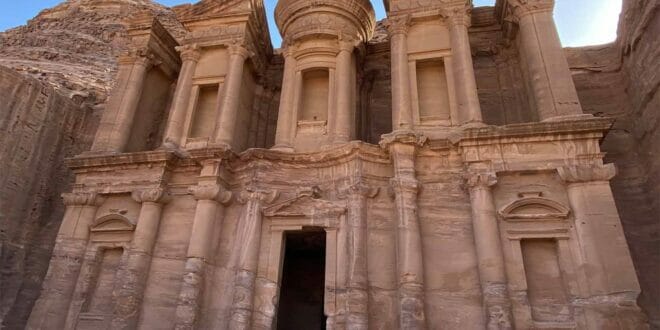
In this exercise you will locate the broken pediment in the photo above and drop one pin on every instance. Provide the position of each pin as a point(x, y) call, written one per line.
point(534, 208)
point(112, 223)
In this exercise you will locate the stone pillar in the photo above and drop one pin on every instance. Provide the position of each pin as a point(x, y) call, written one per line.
point(402, 147)
point(490, 258)
point(132, 277)
point(285, 118)
point(608, 264)
point(248, 256)
point(175, 125)
point(467, 98)
point(551, 82)
point(401, 101)
point(210, 200)
point(50, 310)
point(117, 121)
point(357, 279)
point(231, 96)
point(345, 102)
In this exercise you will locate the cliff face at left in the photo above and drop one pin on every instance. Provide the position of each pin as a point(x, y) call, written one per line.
point(38, 129)
point(55, 74)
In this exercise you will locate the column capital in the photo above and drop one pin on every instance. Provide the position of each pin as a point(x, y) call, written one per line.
point(211, 192)
point(521, 8)
point(457, 15)
point(258, 194)
point(583, 174)
point(480, 180)
point(358, 188)
point(239, 49)
point(83, 199)
point(398, 24)
point(403, 137)
point(151, 195)
point(140, 56)
point(190, 52)
point(404, 185)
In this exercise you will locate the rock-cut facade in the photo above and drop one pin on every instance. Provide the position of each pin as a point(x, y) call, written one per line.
point(342, 183)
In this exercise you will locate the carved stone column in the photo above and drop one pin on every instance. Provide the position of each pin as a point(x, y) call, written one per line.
point(402, 147)
point(551, 82)
point(132, 277)
point(174, 133)
point(285, 118)
point(50, 310)
point(467, 98)
point(608, 264)
point(248, 257)
point(210, 200)
point(490, 258)
point(344, 114)
point(231, 96)
point(357, 278)
point(401, 101)
point(117, 121)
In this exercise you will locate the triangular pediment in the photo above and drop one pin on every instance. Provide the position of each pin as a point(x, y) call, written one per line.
point(305, 206)
point(213, 8)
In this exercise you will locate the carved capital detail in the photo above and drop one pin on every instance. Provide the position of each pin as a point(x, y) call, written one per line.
point(239, 49)
point(581, 174)
point(211, 192)
point(457, 15)
point(140, 56)
point(399, 185)
point(480, 180)
point(398, 24)
point(403, 137)
point(522, 8)
point(83, 199)
point(359, 188)
point(258, 194)
point(190, 52)
point(152, 195)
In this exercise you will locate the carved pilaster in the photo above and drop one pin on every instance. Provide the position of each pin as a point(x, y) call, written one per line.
point(51, 309)
point(490, 257)
point(210, 198)
point(250, 236)
point(132, 277)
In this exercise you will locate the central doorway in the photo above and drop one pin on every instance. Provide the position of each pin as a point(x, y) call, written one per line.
point(303, 281)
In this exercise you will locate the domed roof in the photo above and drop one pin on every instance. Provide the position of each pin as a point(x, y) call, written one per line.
point(299, 18)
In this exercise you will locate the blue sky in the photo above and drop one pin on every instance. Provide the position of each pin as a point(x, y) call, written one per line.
point(580, 23)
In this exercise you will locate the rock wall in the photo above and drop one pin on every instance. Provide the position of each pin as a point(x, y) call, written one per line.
point(38, 129)
point(621, 80)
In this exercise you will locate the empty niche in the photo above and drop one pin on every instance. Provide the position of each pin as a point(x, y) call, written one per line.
point(316, 85)
point(151, 116)
point(203, 122)
point(545, 286)
point(101, 299)
point(432, 90)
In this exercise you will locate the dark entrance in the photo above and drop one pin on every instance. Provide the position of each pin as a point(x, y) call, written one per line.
point(303, 281)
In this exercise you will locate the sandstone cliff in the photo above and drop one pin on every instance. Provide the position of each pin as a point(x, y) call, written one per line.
point(64, 64)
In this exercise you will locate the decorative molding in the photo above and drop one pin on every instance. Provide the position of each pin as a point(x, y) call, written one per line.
point(457, 15)
point(398, 24)
point(211, 192)
point(541, 209)
point(582, 174)
point(112, 223)
point(153, 195)
point(83, 199)
point(257, 194)
point(190, 52)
